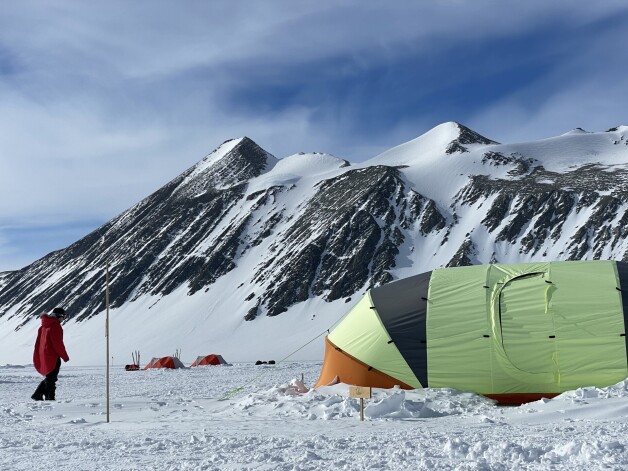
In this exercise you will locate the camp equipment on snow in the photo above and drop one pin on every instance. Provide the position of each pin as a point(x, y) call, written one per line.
point(135, 366)
point(170, 362)
point(211, 359)
point(514, 333)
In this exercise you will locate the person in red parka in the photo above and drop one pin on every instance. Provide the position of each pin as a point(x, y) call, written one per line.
point(49, 350)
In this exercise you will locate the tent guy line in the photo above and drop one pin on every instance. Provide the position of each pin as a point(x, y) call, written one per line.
point(234, 391)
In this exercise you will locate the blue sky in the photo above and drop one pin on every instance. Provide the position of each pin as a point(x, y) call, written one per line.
point(102, 103)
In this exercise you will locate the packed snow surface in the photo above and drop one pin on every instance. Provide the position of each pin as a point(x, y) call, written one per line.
point(263, 417)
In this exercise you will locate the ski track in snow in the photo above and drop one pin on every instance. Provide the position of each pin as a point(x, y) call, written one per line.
point(174, 420)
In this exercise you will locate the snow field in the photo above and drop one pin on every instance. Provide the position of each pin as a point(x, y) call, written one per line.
point(174, 420)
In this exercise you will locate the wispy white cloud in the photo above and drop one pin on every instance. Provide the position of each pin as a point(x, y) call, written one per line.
point(105, 102)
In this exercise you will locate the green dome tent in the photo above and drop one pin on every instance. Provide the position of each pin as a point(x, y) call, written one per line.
point(514, 333)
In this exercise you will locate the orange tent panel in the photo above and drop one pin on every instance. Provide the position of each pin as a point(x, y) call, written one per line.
point(212, 359)
point(339, 366)
point(165, 362)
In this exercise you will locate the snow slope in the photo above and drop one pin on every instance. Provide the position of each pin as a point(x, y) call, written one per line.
point(176, 420)
point(439, 175)
point(243, 253)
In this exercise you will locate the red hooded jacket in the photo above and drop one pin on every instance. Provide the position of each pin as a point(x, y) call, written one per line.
point(49, 345)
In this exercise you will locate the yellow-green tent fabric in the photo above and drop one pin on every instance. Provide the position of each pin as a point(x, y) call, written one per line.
point(513, 332)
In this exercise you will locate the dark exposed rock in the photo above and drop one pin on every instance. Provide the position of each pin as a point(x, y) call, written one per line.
point(596, 233)
point(347, 237)
point(466, 137)
point(535, 206)
point(151, 248)
point(252, 313)
point(522, 165)
point(432, 219)
point(466, 255)
point(498, 211)
point(497, 158)
point(454, 147)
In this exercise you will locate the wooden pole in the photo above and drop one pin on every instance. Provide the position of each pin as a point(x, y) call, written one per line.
point(107, 331)
point(361, 409)
point(361, 392)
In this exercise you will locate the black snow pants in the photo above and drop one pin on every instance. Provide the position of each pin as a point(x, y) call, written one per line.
point(48, 386)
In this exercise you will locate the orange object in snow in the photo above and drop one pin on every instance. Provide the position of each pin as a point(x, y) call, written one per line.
point(211, 359)
point(339, 366)
point(165, 362)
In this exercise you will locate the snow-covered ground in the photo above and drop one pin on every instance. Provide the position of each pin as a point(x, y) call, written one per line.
point(175, 419)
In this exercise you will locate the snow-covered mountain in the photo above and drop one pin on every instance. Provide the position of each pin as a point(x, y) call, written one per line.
point(243, 243)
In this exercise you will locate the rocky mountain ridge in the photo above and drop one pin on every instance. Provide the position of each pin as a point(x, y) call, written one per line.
point(284, 231)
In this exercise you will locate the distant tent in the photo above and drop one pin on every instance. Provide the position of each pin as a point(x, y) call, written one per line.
point(165, 362)
point(212, 359)
point(514, 333)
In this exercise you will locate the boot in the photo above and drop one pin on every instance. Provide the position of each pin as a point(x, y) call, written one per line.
point(38, 395)
point(50, 391)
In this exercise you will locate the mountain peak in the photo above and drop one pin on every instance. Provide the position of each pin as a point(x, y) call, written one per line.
point(449, 138)
point(231, 163)
point(465, 136)
point(621, 128)
point(454, 136)
point(576, 131)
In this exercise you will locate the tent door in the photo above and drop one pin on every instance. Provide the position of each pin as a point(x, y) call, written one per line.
point(528, 332)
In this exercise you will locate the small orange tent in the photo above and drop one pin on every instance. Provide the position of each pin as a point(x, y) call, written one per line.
point(211, 359)
point(165, 362)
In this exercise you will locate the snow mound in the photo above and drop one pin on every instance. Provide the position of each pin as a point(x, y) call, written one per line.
point(333, 402)
point(291, 169)
point(308, 164)
point(617, 390)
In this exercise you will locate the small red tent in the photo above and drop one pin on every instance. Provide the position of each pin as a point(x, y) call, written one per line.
point(212, 359)
point(165, 362)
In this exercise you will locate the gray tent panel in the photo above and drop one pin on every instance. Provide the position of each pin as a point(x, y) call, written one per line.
point(622, 273)
point(402, 307)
